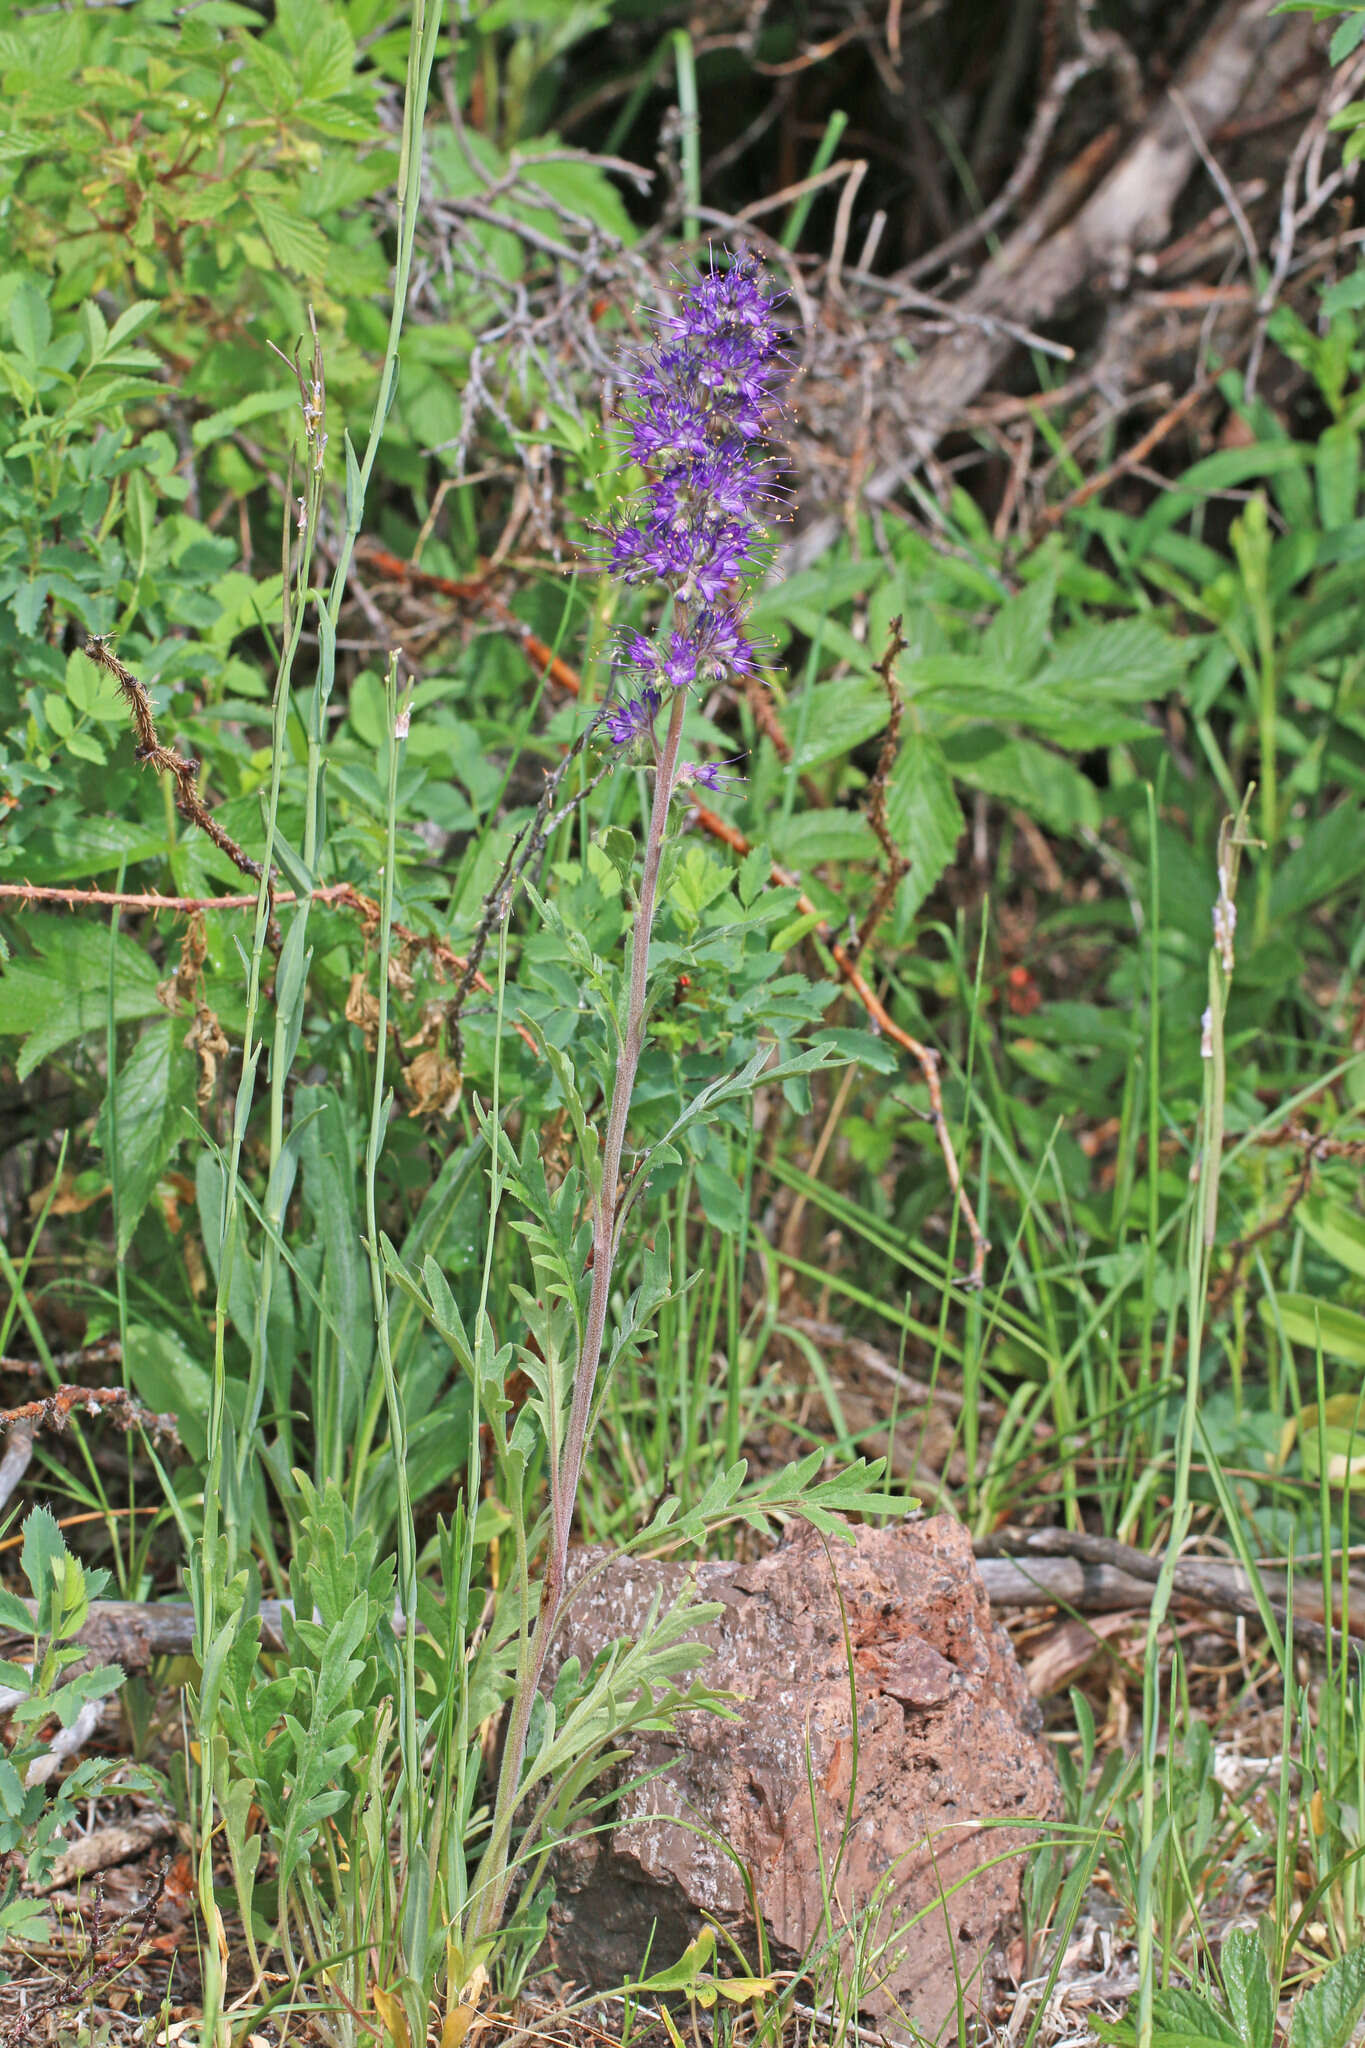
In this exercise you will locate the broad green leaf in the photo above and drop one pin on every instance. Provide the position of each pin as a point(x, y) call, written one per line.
point(808, 838)
point(1026, 773)
point(1339, 1231)
point(828, 720)
point(1327, 2013)
point(63, 989)
point(1014, 641)
point(43, 1559)
point(294, 242)
point(1246, 1986)
point(923, 815)
point(219, 425)
point(1305, 1320)
point(30, 321)
point(1331, 853)
point(169, 1381)
point(144, 1119)
point(1128, 660)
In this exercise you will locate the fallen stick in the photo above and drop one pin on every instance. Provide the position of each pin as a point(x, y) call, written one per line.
point(1033, 1557)
point(1033, 279)
point(1099, 1577)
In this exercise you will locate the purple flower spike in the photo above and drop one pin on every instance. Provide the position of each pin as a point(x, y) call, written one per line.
point(701, 399)
point(698, 410)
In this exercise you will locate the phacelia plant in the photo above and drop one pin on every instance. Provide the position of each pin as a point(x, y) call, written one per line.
point(698, 409)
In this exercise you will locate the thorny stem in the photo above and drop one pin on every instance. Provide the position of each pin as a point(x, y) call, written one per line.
point(564, 1480)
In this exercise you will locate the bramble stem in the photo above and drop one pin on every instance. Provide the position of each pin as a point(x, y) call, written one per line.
point(565, 1478)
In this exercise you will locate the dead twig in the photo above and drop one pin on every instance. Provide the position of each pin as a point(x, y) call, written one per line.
point(83, 1980)
point(149, 750)
point(1317, 1147)
point(344, 895)
point(1137, 454)
point(1211, 1581)
point(1036, 275)
point(55, 1410)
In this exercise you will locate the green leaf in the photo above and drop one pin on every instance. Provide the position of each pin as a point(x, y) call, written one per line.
point(924, 816)
point(1246, 1986)
point(162, 1374)
point(1339, 1231)
point(1304, 1319)
point(1122, 660)
point(1331, 853)
point(43, 1559)
point(1338, 473)
point(143, 1120)
point(807, 838)
point(1026, 773)
point(86, 747)
point(219, 425)
point(132, 320)
point(62, 990)
point(1192, 2019)
point(1347, 38)
point(30, 321)
point(1325, 2015)
point(294, 242)
point(14, 1615)
point(1014, 641)
point(828, 720)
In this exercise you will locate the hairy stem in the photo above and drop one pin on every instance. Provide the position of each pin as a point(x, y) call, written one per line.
point(493, 1878)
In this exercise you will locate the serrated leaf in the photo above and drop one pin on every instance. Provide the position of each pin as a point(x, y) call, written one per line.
point(42, 1557)
point(1326, 2014)
point(62, 991)
point(924, 816)
point(294, 242)
point(1014, 641)
point(1246, 1986)
point(1026, 773)
point(30, 321)
point(1331, 853)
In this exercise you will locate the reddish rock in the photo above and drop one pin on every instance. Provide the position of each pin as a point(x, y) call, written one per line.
point(947, 1744)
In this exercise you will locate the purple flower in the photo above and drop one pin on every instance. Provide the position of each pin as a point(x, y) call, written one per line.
point(707, 775)
point(725, 648)
point(634, 718)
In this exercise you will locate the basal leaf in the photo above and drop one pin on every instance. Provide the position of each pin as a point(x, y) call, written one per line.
point(1326, 2014)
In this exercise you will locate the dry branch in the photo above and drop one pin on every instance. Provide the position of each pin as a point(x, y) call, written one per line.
point(1049, 1568)
point(1034, 279)
point(166, 761)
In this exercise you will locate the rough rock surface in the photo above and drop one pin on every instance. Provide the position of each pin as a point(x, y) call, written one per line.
point(947, 1743)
